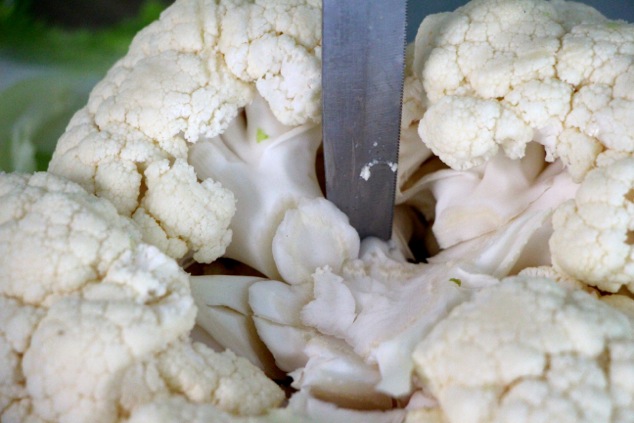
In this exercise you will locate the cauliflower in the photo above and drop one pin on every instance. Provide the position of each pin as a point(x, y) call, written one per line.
point(202, 376)
point(203, 143)
point(186, 77)
point(177, 409)
point(499, 74)
point(270, 168)
point(380, 308)
point(592, 233)
point(355, 320)
point(528, 350)
point(93, 322)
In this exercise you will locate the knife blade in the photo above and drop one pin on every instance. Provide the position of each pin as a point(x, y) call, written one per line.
point(363, 60)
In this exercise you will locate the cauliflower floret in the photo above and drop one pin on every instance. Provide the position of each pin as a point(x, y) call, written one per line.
point(73, 237)
point(313, 222)
point(280, 49)
point(89, 262)
point(549, 272)
point(465, 131)
point(185, 78)
point(592, 233)
point(529, 350)
point(202, 376)
point(178, 409)
point(202, 216)
point(499, 74)
point(83, 301)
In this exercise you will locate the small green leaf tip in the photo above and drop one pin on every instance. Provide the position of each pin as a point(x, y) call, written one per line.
point(456, 281)
point(260, 135)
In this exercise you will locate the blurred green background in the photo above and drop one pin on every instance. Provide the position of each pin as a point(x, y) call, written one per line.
point(52, 53)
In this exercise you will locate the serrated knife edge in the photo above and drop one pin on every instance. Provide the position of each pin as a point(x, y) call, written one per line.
point(363, 65)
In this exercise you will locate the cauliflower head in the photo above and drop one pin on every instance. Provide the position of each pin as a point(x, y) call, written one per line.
point(84, 305)
point(203, 141)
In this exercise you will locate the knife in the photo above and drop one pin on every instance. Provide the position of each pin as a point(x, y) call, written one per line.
point(363, 60)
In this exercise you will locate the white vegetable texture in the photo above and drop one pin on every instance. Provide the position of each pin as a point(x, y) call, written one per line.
point(594, 233)
point(500, 74)
point(185, 78)
point(528, 350)
point(188, 191)
point(94, 323)
point(270, 168)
